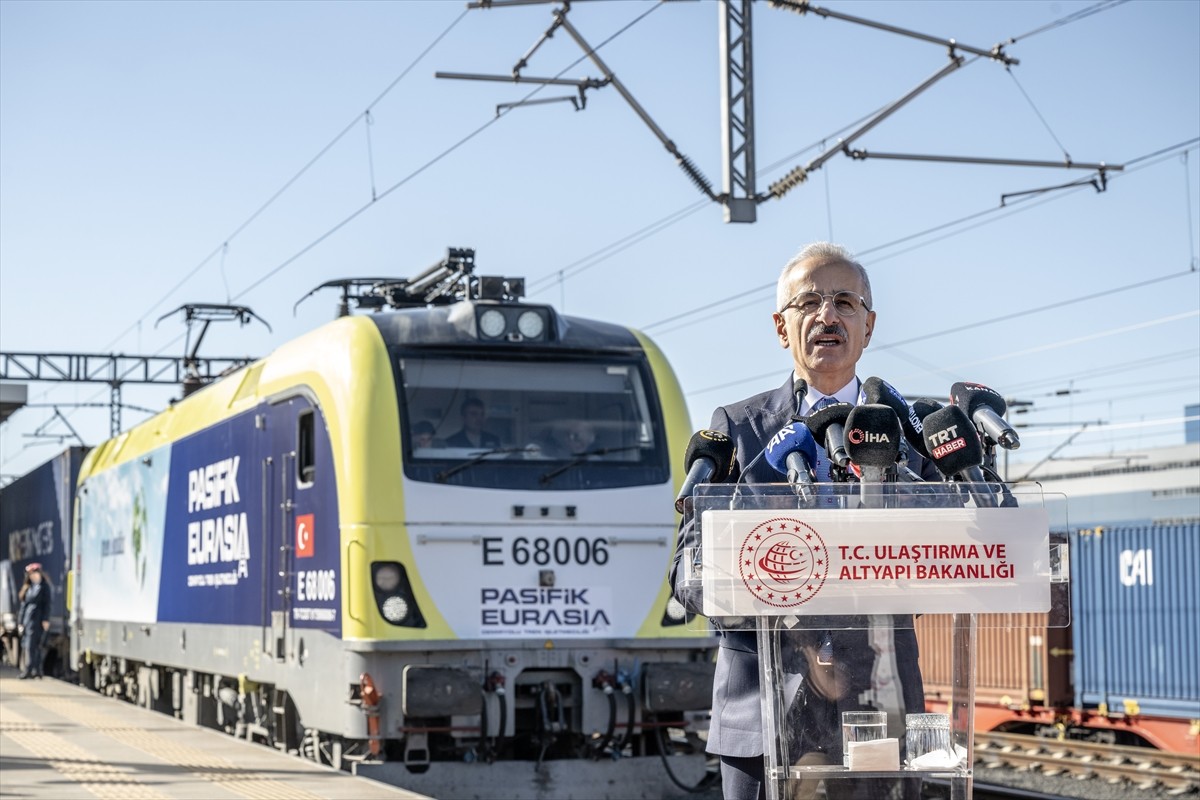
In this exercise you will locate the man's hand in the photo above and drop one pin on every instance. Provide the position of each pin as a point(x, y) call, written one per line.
point(46, 625)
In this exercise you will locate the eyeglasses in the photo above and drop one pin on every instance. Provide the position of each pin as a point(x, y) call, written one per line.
point(844, 303)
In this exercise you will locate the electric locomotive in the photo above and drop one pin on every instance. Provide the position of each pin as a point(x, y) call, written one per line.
point(429, 536)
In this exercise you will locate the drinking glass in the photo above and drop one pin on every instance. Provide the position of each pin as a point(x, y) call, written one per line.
point(927, 737)
point(861, 726)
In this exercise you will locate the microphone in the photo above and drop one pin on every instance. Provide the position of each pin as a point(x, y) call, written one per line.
point(873, 435)
point(957, 451)
point(793, 452)
point(799, 389)
point(710, 454)
point(986, 408)
point(923, 407)
point(879, 391)
point(828, 426)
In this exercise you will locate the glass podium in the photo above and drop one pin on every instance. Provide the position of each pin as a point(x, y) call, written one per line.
point(827, 586)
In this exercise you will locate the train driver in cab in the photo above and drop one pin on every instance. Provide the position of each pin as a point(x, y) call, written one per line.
point(573, 438)
point(472, 433)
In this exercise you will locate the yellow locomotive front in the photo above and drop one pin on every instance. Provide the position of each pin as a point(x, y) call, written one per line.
point(517, 552)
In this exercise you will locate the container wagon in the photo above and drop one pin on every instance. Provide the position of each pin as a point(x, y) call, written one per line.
point(1126, 670)
point(35, 528)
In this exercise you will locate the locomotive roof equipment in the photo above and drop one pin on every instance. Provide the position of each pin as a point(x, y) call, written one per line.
point(493, 299)
point(206, 313)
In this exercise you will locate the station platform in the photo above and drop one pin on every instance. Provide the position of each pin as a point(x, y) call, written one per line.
point(62, 742)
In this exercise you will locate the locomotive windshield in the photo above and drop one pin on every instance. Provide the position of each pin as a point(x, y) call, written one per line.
point(531, 424)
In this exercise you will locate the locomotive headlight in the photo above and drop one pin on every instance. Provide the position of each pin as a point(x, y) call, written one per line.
point(675, 614)
point(387, 578)
point(675, 610)
point(531, 325)
point(492, 323)
point(395, 609)
point(394, 595)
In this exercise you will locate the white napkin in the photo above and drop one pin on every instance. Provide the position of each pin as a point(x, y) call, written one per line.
point(939, 759)
point(881, 755)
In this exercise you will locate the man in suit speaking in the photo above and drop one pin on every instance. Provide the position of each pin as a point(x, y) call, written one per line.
point(825, 319)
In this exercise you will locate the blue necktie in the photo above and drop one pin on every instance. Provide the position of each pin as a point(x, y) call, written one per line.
point(821, 468)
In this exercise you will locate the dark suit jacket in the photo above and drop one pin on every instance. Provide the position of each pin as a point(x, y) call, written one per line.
point(736, 728)
point(35, 608)
point(487, 441)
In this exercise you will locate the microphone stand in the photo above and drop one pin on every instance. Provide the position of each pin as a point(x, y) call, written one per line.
point(873, 488)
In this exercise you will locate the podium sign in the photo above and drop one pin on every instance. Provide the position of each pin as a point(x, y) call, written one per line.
point(830, 586)
point(775, 562)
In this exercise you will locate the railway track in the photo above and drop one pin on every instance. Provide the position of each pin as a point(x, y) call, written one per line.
point(1139, 767)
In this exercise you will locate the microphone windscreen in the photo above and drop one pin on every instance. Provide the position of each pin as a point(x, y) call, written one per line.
point(820, 421)
point(953, 443)
point(873, 435)
point(970, 396)
point(791, 438)
point(877, 390)
point(713, 445)
point(923, 407)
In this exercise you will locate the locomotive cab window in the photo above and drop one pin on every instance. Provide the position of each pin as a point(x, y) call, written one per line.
point(306, 462)
point(531, 424)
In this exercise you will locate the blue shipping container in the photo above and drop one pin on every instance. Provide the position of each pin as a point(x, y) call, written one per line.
point(1136, 619)
point(36, 511)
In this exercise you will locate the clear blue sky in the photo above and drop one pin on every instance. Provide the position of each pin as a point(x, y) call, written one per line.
point(136, 138)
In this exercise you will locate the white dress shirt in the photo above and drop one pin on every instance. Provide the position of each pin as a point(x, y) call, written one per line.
point(847, 394)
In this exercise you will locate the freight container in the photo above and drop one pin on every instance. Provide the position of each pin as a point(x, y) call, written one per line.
point(36, 511)
point(1020, 663)
point(1136, 611)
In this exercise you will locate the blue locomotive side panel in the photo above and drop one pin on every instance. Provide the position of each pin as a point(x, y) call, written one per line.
point(200, 531)
point(213, 555)
point(35, 522)
point(311, 531)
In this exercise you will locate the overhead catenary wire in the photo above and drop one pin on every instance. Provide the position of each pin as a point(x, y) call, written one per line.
point(719, 307)
point(355, 214)
point(1099, 426)
point(224, 245)
point(669, 220)
point(1108, 369)
point(1045, 124)
point(559, 276)
point(1041, 348)
point(1194, 383)
point(375, 198)
point(613, 248)
point(1070, 18)
point(1075, 16)
point(366, 114)
point(370, 153)
point(1047, 307)
point(1070, 401)
point(1187, 185)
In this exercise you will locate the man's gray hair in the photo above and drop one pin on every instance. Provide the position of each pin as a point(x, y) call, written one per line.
point(821, 252)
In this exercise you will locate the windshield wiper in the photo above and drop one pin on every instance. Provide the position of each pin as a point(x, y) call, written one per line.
point(582, 459)
point(473, 460)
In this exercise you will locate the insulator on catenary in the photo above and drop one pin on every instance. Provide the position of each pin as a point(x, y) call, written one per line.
point(696, 176)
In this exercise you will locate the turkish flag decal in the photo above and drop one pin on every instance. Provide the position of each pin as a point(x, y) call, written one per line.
point(304, 536)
